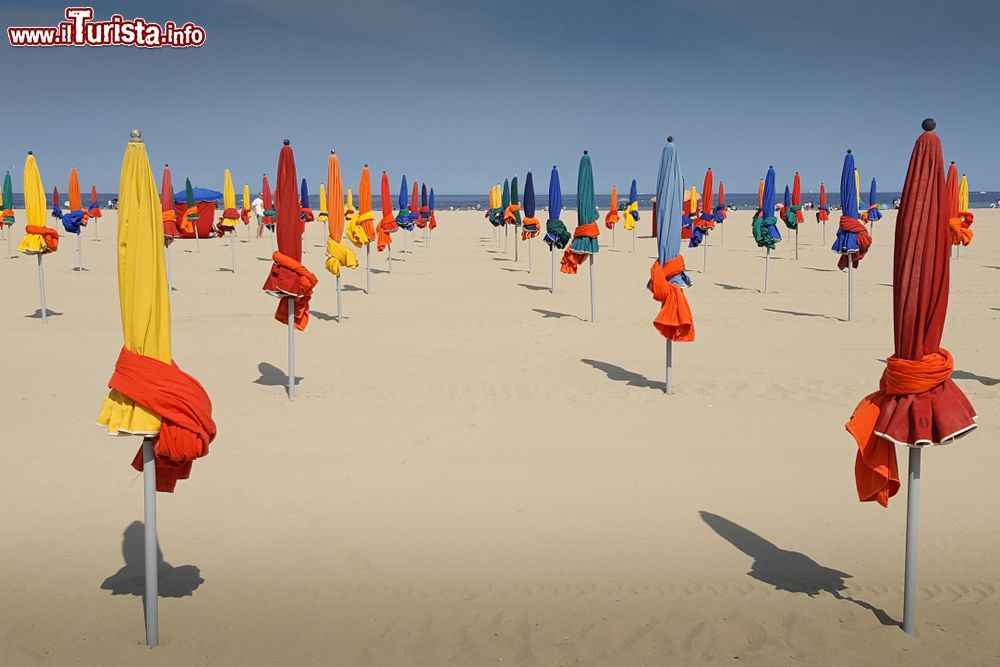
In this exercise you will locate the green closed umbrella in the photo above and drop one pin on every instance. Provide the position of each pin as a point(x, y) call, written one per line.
point(504, 205)
point(585, 244)
point(7, 206)
point(192, 215)
point(515, 212)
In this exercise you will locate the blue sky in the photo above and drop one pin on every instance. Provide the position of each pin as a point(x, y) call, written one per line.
point(461, 93)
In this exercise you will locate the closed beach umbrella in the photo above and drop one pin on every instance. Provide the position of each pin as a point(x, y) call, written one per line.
point(167, 210)
point(189, 221)
point(38, 240)
point(365, 216)
point(269, 211)
point(387, 225)
point(425, 211)
point(430, 203)
point(512, 213)
point(230, 215)
point(556, 234)
point(94, 210)
point(307, 214)
point(917, 404)
point(703, 222)
point(959, 218)
point(150, 395)
point(337, 253)
point(612, 217)
point(56, 207)
point(585, 244)
point(852, 238)
point(631, 212)
point(403, 215)
point(667, 278)
point(7, 210)
point(720, 209)
point(287, 277)
point(765, 224)
point(797, 199)
point(323, 215)
point(823, 210)
point(873, 213)
point(791, 210)
point(245, 208)
point(530, 225)
point(75, 219)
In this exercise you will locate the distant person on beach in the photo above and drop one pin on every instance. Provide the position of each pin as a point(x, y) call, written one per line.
point(257, 206)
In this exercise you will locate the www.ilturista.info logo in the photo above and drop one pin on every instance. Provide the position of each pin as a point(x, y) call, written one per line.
point(79, 29)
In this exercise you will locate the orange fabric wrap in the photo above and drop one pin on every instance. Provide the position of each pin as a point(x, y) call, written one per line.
point(508, 214)
point(875, 469)
point(571, 261)
point(7, 213)
point(385, 225)
point(674, 321)
point(611, 218)
point(848, 224)
point(960, 234)
point(307, 281)
point(527, 233)
point(187, 223)
point(50, 236)
point(183, 406)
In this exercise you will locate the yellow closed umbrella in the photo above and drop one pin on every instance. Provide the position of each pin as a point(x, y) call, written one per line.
point(245, 209)
point(323, 214)
point(963, 194)
point(857, 186)
point(337, 253)
point(230, 216)
point(150, 396)
point(38, 240)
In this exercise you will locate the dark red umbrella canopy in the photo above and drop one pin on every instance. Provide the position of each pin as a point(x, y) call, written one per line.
point(266, 192)
point(706, 194)
point(287, 202)
point(917, 404)
point(951, 185)
point(166, 191)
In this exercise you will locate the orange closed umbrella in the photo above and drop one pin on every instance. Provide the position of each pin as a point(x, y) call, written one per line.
point(960, 234)
point(366, 218)
point(76, 218)
point(338, 254)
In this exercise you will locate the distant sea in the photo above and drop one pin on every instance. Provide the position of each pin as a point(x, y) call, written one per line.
point(464, 202)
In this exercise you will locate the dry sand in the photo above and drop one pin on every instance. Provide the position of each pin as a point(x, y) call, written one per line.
point(475, 474)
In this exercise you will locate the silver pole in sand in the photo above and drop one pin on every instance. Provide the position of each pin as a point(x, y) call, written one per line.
point(912, 522)
point(633, 239)
point(529, 255)
point(340, 315)
point(291, 348)
point(668, 385)
point(592, 318)
point(232, 249)
point(850, 288)
point(516, 243)
point(79, 252)
point(274, 245)
point(197, 240)
point(704, 255)
point(552, 254)
point(958, 249)
point(425, 237)
point(151, 594)
point(723, 230)
point(389, 249)
point(767, 265)
point(505, 238)
point(824, 232)
point(95, 228)
point(41, 289)
point(10, 251)
point(796, 244)
point(613, 235)
point(368, 268)
point(170, 273)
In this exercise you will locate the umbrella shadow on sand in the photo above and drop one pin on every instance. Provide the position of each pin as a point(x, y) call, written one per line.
point(272, 376)
point(175, 582)
point(789, 571)
point(37, 315)
point(619, 374)
point(981, 379)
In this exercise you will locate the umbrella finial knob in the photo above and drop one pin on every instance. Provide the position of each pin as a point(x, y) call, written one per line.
point(366, 166)
point(585, 152)
point(953, 162)
point(31, 152)
point(848, 151)
point(928, 125)
point(670, 139)
point(286, 142)
point(136, 135)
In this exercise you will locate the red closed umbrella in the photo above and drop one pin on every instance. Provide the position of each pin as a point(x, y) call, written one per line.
point(917, 404)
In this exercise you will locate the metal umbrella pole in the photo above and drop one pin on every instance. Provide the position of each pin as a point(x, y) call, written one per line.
point(151, 592)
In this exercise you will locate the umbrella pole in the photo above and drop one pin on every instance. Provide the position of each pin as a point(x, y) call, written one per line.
point(529, 255)
point(505, 239)
point(704, 255)
point(10, 251)
point(668, 384)
point(850, 288)
point(633, 239)
point(368, 268)
point(389, 249)
point(796, 244)
point(612, 236)
point(151, 593)
point(340, 316)
point(197, 239)
point(170, 273)
point(824, 232)
point(79, 252)
point(232, 250)
point(95, 228)
point(41, 289)
point(592, 287)
point(767, 265)
point(516, 244)
point(912, 521)
point(273, 244)
point(291, 348)
point(552, 255)
point(958, 249)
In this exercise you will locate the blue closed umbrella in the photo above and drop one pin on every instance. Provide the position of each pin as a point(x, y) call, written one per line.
point(430, 200)
point(788, 198)
point(669, 202)
point(765, 224)
point(529, 197)
point(873, 212)
point(304, 195)
point(847, 240)
point(404, 217)
point(633, 198)
point(556, 234)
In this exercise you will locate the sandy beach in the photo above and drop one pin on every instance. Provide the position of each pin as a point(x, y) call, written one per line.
point(473, 473)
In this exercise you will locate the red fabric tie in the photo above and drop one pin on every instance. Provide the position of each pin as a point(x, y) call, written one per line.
point(864, 241)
